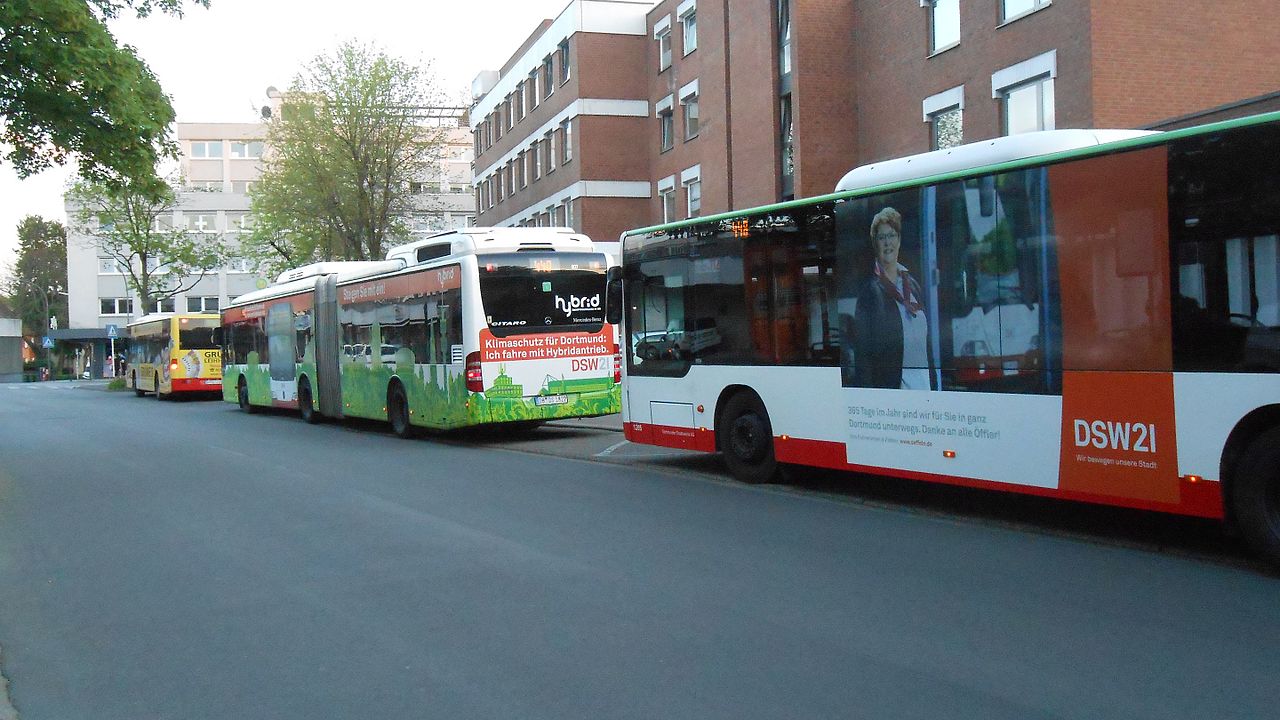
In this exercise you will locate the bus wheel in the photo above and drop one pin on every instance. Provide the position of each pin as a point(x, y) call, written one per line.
point(137, 390)
point(746, 439)
point(1256, 496)
point(242, 396)
point(159, 395)
point(398, 412)
point(306, 406)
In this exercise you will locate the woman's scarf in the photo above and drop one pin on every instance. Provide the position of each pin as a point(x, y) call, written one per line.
point(910, 302)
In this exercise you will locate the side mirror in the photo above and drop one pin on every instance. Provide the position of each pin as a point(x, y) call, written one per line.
point(613, 296)
point(217, 336)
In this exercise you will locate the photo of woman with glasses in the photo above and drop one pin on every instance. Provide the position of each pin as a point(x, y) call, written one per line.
point(890, 343)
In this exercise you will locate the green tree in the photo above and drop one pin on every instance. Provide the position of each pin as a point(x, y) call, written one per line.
point(67, 88)
point(349, 141)
point(40, 275)
point(134, 226)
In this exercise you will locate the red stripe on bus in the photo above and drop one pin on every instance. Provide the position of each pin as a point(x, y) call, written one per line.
point(673, 437)
point(197, 385)
point(1198, 499)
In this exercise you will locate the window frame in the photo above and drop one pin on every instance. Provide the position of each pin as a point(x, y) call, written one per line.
point(934, 5)
point(667, 198)
point(548, 76)
point(689, 98)
point(690, 179)
point(687, 12)
point(566, 141)
point(662, 34)
point(562, 53)
point(1032, 70)
point(1036, 6)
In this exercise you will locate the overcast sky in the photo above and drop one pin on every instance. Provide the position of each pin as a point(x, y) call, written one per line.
point(216, 64)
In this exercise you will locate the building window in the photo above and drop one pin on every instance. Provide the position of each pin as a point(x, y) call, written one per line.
point(111, 266)
point(205, 304)
point(944, 112)
point(517, 100)
point(203, 222)
point(946, 128)
point(501, 186)
point(536, 151)
point(550, 144)
point(667, 198)
point(666, 129)
point(689, 108)
point(533, 90)
point(1029, 107)
point(1013, 9)
point(693, 196)
point(562, 51)
point(115, 306)
point(510, 112)
point(784, 36)
point(944, 24)
point(1025, 91)
point(566, 141)
point(548, 77)
point(787, 131)
point(688, 14)
point(239, 265)
point(511, 179)
point(206, 149)
point(165, 305)
point(662, 33)
point(246, 149)
point(568, 212)
point(522, 170)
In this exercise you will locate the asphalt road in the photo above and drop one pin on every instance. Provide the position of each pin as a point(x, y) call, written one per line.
point(184, 560)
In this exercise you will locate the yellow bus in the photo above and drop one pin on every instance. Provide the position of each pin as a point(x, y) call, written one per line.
point(174, 353)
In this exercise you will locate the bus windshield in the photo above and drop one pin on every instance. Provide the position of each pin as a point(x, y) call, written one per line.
point(197, 333)
point(543, 292)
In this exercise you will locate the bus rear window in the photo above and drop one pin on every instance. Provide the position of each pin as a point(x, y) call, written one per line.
point(196, 333)
point(543, 292)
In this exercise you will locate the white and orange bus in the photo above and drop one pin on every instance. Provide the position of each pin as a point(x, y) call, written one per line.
point(173, 354)
point(1085, 315)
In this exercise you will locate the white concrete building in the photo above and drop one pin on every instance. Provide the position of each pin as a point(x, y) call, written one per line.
point(219, 163)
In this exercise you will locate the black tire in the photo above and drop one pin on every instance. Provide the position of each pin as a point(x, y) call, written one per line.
point(746, 440)
point(159, 396)
point(398, 412)
point(137, 390)
point(306, 404)
point(1256, 496)
point(242, 396)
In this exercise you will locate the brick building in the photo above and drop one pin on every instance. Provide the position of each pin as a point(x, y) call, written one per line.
point(716, 105)
point(559, 130)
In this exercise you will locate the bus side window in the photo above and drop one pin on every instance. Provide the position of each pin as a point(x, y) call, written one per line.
point(1226, 251)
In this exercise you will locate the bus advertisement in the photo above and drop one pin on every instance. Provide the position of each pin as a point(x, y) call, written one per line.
point(1086, 315)
point(472, 327)
point(173, 353)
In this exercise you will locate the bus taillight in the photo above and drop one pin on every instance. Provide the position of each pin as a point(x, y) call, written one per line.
point(173, 366)
point(475, 378)
point(617, 363)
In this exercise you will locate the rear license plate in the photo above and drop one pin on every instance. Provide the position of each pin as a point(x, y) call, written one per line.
point(551, 400)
